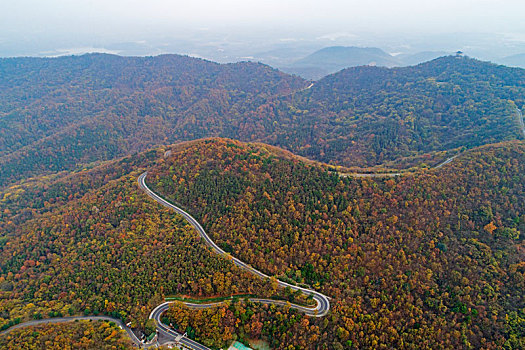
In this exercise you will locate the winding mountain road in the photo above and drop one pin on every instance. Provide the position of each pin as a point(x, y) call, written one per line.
point(170, 336)
point(321, 309)
point(445, 162)
point(520, 121)
point(448, 160)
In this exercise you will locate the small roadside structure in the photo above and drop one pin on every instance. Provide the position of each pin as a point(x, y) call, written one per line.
point(238, 346)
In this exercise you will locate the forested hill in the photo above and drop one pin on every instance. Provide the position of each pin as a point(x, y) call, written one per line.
point(369, 115)
point(61, 113)
point(92, 242)
point(432, 260)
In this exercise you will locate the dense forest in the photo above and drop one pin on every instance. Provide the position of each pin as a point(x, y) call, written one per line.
point(429, 260)
point(61, 113)
point(83, 335)
point(57, 113)
point(432, 259)
point(369, 115)
point(248, 323)
point(93, 243)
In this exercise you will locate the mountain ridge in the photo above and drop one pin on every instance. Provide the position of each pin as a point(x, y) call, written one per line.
point(370, 112)
point(361, 116)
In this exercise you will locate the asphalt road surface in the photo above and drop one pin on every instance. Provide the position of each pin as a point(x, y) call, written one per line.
point(323, 304)
point(165, 333)
point(321, 309)
point(520, 121)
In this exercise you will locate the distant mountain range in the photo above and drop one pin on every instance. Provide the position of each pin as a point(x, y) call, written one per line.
point(406, 59)
point(335, 58)
point(514, 60)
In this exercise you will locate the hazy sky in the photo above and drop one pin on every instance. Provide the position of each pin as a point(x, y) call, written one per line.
point(75, 21)
point(371, 15)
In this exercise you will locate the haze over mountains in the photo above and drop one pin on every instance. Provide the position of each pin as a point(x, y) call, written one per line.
point(514, 60)
point(335, 58)
point(332, 59)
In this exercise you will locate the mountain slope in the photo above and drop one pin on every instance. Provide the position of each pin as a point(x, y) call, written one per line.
point(369, 115)
point(60, 114)
point(92, 242)
point(428, 260)
point(56, 113)
point(424, 261)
